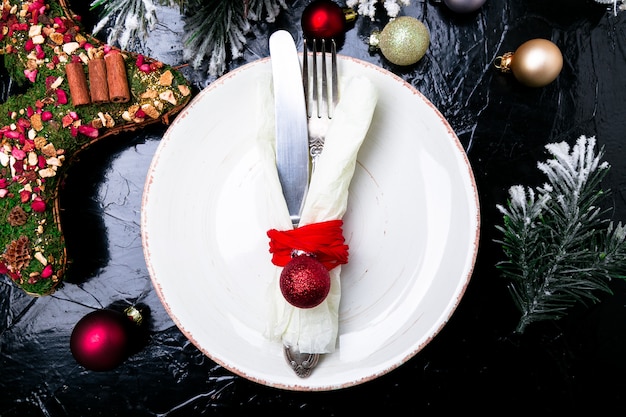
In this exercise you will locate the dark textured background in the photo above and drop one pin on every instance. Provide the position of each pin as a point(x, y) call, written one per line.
point(476, 363)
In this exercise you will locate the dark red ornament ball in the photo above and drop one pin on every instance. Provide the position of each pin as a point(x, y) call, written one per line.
point(323, 19)
point(304, 282)
point(100, 340)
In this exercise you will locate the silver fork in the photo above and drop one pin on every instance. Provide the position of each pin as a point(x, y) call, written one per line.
point(320, 99)
point(320, 103)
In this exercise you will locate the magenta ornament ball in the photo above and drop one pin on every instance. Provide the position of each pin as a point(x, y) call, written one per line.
point(100, 340)
point(464, 6)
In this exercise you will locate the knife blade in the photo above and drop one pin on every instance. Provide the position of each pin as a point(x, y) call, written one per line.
point(292, 147)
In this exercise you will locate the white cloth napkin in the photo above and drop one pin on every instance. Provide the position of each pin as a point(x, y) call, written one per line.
point(315, 330)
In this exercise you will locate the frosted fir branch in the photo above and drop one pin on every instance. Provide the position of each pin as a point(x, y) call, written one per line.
point(216, 30)
point(523, 207)
point(369, 7)
point(560, 250)
point(265, 10)
point(616, 8)
point(128, 19)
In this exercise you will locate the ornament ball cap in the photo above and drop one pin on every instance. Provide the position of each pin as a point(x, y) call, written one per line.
point(349, 14)
point(134, 315)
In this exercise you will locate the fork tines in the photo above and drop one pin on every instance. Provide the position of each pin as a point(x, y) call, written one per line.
point(323, 99)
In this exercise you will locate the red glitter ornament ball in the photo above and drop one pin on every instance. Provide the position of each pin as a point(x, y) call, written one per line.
point(304, 282)
point(100, 340)
point(323, 19)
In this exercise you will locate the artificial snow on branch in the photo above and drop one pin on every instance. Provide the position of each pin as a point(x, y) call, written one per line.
point(560, 249)
point(616, 8)
point(368, 7)
point(128, 19)
point(215, 30)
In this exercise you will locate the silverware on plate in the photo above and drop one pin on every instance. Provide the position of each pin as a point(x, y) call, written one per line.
point(300, 96)
point(292, 150)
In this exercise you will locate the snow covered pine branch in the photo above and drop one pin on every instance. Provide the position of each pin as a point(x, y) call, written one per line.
point(560, 249)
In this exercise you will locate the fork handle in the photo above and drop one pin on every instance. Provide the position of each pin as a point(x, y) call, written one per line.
point(316, 145)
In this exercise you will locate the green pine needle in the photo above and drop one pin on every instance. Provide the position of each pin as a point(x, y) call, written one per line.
point(129, 19)
point(560, 249)
point(214, 29)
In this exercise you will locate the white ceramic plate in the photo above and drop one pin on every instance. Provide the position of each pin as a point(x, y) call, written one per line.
point(412, 226)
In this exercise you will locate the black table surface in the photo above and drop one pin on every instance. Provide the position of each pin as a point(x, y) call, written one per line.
point(476, 363)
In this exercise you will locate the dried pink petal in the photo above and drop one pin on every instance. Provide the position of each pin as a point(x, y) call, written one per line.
point(47, 271)
point(29, 145)
point(30, 75)
point(89, 131)
point(67, 120)
point(12, 134)
point(18, 154)
point(46, 116)
point(23, 123)
point(50, 79)
point(25, 196)
point(38, 205)
point(61, 96)
point(39, 52)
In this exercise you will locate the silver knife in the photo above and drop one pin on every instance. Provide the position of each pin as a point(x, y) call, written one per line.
point(292, 140)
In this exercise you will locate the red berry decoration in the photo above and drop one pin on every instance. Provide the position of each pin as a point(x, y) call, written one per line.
point(101, 340)
point(304, 282)
point(323, 19)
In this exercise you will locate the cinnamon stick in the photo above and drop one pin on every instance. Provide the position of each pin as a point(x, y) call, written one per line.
point(116, 78)
point(98, 86)
point(78, 83)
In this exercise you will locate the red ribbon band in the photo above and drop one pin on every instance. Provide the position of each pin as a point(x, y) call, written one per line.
point(324, 240)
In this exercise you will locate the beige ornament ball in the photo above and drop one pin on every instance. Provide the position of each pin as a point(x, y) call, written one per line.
point(403, 41)
point(536, 63)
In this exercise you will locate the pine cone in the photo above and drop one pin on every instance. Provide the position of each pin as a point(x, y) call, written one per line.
point(17, 255)
point(17, 216)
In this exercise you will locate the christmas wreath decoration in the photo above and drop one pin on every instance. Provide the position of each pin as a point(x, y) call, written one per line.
point(78, 91)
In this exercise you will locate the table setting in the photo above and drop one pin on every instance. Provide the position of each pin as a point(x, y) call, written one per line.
point(451, 239)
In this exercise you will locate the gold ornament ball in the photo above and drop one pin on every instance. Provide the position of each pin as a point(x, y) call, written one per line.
point(537, 62)
point(404, 40)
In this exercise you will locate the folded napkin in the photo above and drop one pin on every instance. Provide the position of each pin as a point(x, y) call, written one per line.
point(314, 330)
